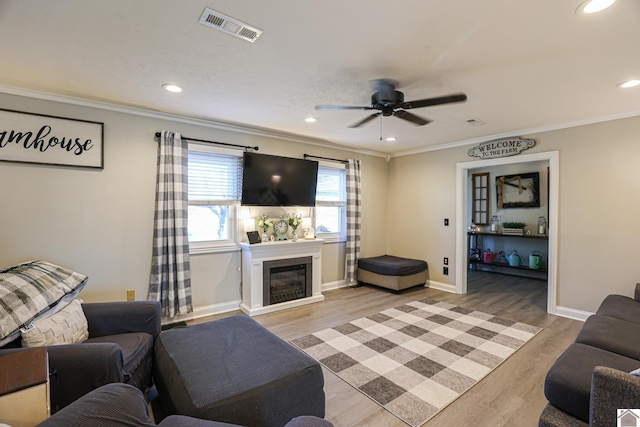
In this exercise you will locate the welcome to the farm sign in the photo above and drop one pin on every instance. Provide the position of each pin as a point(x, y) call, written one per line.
point(503, 147)
point(50, 140)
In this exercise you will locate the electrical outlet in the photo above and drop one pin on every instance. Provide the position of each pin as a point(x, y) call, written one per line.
point(131, 295)
point(446, 222)
point(445, 271)
point(446, 261)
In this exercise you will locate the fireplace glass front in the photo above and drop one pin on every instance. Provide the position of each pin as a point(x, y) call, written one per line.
point(287, 280)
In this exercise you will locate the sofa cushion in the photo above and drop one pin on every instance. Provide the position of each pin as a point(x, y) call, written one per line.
point(136, 349)
point(112, 405)
point(390, 265)
point(67, 326)
point(620, 307)
point(568, 382)
point(611, 334)
point(29, 290)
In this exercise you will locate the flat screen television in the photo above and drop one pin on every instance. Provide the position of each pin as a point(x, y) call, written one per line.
point(278, 181)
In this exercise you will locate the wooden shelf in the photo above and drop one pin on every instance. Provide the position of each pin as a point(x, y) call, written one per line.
point(524, 236)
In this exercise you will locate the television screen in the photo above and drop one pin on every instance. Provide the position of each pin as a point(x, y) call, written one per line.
point(278, 181)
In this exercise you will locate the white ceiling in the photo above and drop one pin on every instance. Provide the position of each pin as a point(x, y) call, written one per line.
point(524, 65)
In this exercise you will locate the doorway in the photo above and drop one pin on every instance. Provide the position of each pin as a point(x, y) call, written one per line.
point(463, 171)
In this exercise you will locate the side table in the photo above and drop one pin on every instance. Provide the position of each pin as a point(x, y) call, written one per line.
point(24, 387)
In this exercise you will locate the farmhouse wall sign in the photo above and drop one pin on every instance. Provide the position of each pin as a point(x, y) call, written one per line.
point(50, 140)
point(503, 147)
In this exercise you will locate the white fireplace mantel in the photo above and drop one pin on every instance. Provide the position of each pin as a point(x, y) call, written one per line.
point(253, 256)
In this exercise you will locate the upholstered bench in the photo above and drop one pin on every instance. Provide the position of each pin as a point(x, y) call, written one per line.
point(392, 272)
point(235, 371)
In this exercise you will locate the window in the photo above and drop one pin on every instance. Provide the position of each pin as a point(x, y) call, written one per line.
point(215, 179)
point(480, 198)
point(331, 202)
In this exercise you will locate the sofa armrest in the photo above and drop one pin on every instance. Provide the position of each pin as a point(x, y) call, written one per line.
point(76, 369)
point(612, 389)
point(636, 295)
point(121, 317)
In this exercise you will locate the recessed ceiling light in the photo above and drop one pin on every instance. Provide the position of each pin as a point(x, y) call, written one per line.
point(391, 139)
point(172, 88)
point(310, 120)
point(593, 6)
point(630, 83)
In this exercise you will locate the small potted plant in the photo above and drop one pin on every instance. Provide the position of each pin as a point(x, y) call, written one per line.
point(294, 222)
point(513, 227)
point(264, 222)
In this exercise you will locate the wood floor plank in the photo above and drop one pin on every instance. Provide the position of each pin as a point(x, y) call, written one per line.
point(511, 395)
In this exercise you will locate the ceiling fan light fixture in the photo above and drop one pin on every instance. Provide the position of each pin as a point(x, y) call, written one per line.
point(629, 83)
point(169, 87)
point(594, 6)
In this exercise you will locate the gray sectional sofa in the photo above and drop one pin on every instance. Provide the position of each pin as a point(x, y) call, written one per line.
point(591, 380)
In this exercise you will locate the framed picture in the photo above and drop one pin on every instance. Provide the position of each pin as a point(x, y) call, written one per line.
point(253, 237)
point(50, 140)
point(518, 191)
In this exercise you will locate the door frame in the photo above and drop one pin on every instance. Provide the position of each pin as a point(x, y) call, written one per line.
point(462, 207)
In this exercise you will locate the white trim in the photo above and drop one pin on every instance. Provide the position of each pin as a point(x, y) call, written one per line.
point(334, 285)
point(280, 306)
point(462, 172)
point(213, 249)
point(573, 313)
point(207, 310)
point(538, 129)
point(267, 133)
point(446, 287)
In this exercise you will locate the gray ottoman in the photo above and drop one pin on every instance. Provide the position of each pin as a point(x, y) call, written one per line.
point(234, 370)
point(392, 272)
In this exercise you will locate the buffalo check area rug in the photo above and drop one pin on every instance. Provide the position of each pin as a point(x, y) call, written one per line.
point(415, 359)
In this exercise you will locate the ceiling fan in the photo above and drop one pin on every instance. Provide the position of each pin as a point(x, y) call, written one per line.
point(390, 102)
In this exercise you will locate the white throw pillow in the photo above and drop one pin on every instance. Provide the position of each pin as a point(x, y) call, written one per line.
point(67, 326)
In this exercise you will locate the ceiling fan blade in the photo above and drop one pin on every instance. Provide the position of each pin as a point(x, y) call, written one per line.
point(341, 107)
point(448, 99)
point(365, 120)
point(404, 115)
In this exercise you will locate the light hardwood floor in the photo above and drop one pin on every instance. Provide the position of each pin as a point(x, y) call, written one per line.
point(512, 395)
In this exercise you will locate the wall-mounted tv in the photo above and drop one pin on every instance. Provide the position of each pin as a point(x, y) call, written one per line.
point(278, 181)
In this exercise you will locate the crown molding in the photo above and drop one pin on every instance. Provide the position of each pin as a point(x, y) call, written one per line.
point(539, 129)
point(212, 124)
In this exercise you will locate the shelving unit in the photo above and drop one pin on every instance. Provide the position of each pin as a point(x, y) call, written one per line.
point(504, 267)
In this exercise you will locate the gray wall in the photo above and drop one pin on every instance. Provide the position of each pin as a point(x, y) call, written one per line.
point(599, 187)
point(100, 222)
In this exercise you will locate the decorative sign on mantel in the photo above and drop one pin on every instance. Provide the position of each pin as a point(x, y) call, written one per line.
point(503, 147)
point(50, 140)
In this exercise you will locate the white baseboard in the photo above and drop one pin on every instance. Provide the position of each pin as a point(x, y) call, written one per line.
point(441, 286)
point(572, 313)
point(334, 285)
point(207, 310)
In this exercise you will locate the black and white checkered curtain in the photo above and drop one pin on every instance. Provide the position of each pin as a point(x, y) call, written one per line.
point(353, 221)
point(170, 271)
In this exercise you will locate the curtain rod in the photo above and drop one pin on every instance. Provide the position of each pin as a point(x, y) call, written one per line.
point(245, 147)
point(326, 158)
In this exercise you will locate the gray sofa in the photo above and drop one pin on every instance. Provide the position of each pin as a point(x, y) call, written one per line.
point(118, 404)
point(591, 379)
point(119, 349)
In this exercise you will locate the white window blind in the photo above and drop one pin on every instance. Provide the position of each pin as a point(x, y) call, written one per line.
point(214, 177)
point(331, 188)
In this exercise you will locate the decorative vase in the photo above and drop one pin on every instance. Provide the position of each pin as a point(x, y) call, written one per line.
point(265, 237)
point(294, 235)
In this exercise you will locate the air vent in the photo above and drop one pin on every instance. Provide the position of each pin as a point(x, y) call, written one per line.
point(476, 122)
point(221, 22)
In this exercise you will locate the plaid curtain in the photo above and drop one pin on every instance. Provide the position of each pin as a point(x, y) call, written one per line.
point(170, 271)
point(353, 221)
